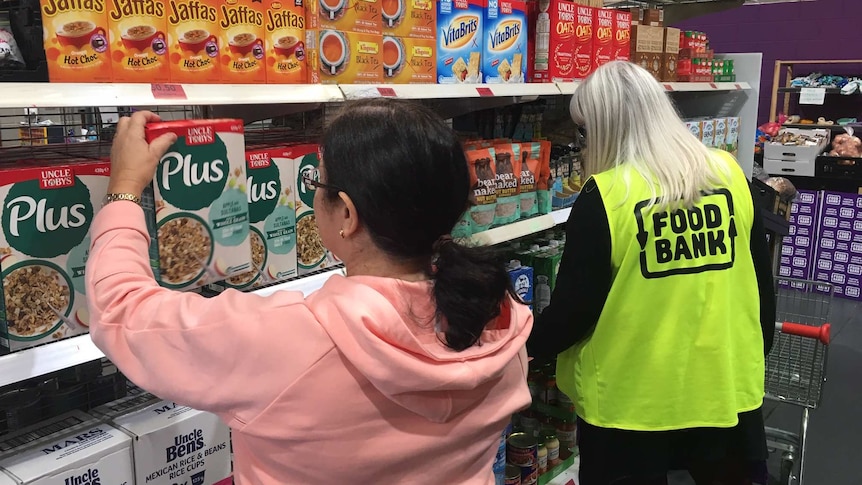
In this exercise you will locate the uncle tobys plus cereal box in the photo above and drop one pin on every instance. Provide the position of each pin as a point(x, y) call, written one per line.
point(44, 246)
point(459, 41)
point(76, 40)
point(504, 58)
point(311, 254)
point(200, 209)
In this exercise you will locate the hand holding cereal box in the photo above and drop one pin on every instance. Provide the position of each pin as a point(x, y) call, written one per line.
point(201, 208)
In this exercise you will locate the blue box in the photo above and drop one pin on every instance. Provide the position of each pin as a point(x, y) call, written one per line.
point(504, 56)
point(522, 282)
point(459, 41)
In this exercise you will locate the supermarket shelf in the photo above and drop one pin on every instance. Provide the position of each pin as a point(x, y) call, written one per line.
point(306, 285)
point(57, 95)
point(561, 215)
point(569, 476)
point(48, 358)
point(568, 88)
point(447, 91)
point(519, 229)
point(705, 87)
point(799, 90)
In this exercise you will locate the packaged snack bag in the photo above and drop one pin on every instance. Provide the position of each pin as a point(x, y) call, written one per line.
point(543, 184)
point(508, 170)
point(530, 160)
point(483, 180)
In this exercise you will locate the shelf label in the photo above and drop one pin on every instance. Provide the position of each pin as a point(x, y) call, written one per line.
point(387, 92)
point(713, 85)
point(168, 91)
point(668, 87)
point(483, 92)
point(738, 87)
point(812, 96)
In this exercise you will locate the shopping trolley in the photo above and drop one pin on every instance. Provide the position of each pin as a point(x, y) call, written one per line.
point(796, 366)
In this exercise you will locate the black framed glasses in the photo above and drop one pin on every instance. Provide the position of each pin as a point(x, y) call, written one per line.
point(310, 182)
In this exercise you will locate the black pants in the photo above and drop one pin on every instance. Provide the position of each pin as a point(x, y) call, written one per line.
point(713, 456)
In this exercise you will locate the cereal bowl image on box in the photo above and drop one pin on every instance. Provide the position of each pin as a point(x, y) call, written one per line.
point(185, 249)
point(41, 299)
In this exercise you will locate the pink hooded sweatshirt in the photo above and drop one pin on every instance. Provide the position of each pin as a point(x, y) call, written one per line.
point(348, 386)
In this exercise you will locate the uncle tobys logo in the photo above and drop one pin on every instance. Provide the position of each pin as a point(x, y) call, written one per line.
point(505, 36)
point(460, 31)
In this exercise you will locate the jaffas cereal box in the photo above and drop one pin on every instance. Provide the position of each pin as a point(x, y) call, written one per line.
point(139, 45)
point(200, 209)
point(415, 19)
point(311, 255)
point(75, 35)
point(193, 41)
point(409, 61)
point(177, 444)
point(460, 36)
point(84, 452)
point(345, 57)
point(603, 36)
point(555, 27)
point(285, 42)
point(271, 188)
point(361, 16)
point(241, 37)
point(622, 35)
point(583, 41)
point(44, 246)
point(504, 58)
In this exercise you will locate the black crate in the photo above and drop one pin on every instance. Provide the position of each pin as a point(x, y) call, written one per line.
point(26, 23)
point(838, 167)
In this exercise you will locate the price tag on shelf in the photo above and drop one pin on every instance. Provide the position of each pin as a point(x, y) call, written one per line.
point(387, 92)
point(483, 92)
point(168, 91)
point(812, 96)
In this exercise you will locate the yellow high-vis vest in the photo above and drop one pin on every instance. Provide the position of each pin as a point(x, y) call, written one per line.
point(678, 344)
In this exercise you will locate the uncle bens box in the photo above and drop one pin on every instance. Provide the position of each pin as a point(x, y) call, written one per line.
point(139, 45)
point(85, 452)
point(505, 46)
point(201, 209)
point(459, 41)
point(270, 186)
point(44, 244)
point(311, 255)
point(177, 444)
point(76, 40)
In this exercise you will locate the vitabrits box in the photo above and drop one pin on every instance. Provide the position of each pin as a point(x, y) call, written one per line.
point(344, 57)
point(415, 19)
point(504, 55)
point(44, 246)
point(271, 188)
point(199, 218)
point(603, 36)
point(409, 60)
point(361, 16)
point(139, 45)
point(583, 41)
point(311, 254)
point(84, 452)
point(460, 35)
point(76, 42)
point(241, 35)
point(193, 41)
point(622, 35)
point(285, 42)
point(177, 444)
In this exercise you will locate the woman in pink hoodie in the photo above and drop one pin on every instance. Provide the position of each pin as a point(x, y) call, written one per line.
point(406, 371)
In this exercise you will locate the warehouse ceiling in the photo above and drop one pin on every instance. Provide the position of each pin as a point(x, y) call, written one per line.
point(679, 10)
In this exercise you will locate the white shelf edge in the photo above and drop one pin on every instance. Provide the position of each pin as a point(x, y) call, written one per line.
point(446, 91)
point(561, 215)
point(520, 229)
point(23, 365)
point(306, 284)
point(568, 88)
point(705, 87)
point(569, 475)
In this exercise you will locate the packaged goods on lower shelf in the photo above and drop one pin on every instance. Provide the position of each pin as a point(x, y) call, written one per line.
point(73, 448)
point(311, 255)
point(47, 212)
point(199, 214)
point(177, 444)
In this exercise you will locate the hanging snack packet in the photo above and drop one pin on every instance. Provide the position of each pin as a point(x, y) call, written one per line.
point(544, 182)
point(10, 55)
point(530, 153)
point(483, 181)
point(508, 166)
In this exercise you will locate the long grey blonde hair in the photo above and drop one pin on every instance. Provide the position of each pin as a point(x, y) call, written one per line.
point(630, 120)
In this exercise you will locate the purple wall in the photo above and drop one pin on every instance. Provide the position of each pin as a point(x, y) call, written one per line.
point(822, 29)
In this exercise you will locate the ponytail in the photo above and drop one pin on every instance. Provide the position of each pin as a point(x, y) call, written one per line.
point(470, 286)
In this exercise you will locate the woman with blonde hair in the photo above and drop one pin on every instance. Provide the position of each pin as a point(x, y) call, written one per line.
point(664, 305)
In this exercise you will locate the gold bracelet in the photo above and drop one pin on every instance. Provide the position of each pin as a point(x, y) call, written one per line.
point(115, 197)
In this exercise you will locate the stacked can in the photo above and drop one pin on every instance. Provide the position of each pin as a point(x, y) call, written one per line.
point(500, 460)
point(522, 451)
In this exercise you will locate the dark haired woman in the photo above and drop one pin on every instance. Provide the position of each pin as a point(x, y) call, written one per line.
point(406, 371)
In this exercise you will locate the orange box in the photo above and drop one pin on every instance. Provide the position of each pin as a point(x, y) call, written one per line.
point(139, 45)
point(75, 35)
point(193, 41)
point(241, 39)
point(285, 42)
point(409, 18)
point(409, 61)
point(361, 16)
point(344, 57)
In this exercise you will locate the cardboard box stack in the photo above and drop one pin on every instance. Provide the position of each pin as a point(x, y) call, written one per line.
point(839, 243)
point(648, 48)
point(797, 249)
point(695, 59)
point(670, 55)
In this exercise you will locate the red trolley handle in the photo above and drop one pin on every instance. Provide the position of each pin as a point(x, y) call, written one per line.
point(820, 333)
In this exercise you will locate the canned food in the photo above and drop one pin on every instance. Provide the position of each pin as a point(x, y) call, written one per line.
point(513, 475)
point(521, 449)
point(529, 474)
